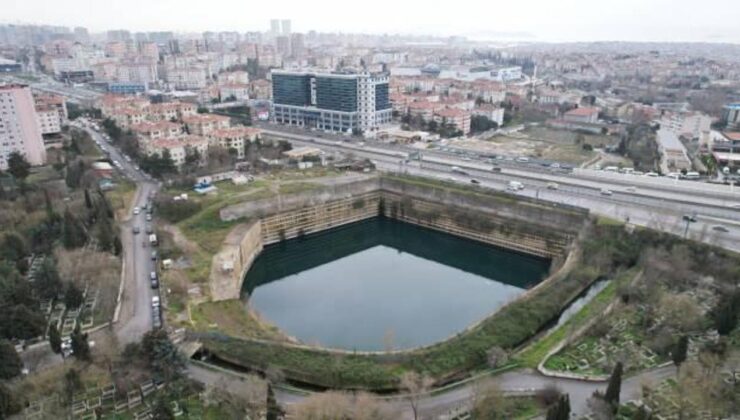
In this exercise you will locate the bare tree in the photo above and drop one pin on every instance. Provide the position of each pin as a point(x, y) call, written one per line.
point(416, 385)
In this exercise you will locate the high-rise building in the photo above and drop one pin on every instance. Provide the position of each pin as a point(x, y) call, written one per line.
point(120, 35)
point(19, 126)
point(286, 26)
point(297, 45)
point(282, 43)
point(731, 116)
point(340, 102)
point(275, 27)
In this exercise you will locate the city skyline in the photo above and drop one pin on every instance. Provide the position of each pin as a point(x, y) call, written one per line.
point(535, 21)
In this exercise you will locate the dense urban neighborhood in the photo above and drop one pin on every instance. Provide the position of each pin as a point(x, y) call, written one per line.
point(281, 224)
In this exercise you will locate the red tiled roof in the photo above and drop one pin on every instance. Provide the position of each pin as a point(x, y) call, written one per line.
point(582, 112)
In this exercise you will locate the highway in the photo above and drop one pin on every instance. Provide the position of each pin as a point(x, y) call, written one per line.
point(655, 203)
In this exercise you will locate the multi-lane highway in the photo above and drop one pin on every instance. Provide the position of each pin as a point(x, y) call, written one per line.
point(656, 203)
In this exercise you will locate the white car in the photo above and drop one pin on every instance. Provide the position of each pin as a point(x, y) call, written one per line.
point(137, 210)
point(155, 301)
point(605, 191)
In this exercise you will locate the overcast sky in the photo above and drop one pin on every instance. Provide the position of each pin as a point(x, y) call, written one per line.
point(535, 20)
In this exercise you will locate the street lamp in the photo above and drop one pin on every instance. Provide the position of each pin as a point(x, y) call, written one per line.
point(688, 218)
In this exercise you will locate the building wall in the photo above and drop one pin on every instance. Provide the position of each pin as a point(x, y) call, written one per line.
point(19, 126)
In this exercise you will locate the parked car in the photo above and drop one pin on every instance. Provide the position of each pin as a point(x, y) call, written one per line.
point(148, 217)
point(720, 228)
point(149, 229)
point(605, 191)
point(155, 283)
point(137, 210)
point(155, 301)
point(154, 255)
point(136, 230)
point(474, 181)
point(552, 186)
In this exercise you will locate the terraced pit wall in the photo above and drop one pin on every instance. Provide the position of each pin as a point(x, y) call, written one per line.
point(518, 223)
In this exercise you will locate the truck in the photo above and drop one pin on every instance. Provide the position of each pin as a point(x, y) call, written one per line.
point(153, 239)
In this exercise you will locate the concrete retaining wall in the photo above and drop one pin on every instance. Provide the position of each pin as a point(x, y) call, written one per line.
point(521, 224)
point(230, 265)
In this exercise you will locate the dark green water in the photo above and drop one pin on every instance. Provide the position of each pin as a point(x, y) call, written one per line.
point(382, 283)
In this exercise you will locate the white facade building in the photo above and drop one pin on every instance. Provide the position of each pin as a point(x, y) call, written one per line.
point(19, 126)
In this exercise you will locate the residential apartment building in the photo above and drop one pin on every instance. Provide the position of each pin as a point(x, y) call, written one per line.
point(19, 126)
point(337, 102)
point(51, 112)
point(686, 124)
point(456, 117)
point(234, 138)
point(673, 154)
point(178, 149)
point(731, 116)
point(492, 112)
point(158, 130)
point(582, 115)
point(205, 124)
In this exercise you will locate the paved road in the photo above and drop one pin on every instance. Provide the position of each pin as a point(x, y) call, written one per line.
point(523, 382)
point(643, 201)
point(135, 318)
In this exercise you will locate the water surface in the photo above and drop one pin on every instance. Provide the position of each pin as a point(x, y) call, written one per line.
point(383, 284)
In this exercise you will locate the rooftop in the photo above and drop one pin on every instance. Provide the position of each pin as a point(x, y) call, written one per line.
point(582, 112)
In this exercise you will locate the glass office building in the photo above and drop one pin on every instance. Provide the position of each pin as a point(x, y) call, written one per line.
point(337, 102)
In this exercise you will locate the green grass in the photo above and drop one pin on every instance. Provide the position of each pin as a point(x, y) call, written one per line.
point(296, 187)
point(536, 352)
point(231, 317)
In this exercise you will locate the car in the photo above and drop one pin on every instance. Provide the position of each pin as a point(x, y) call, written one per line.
point(155, 283)
point(155, 301)
point(735, 206)
point(496, 169)
point(156, 317)
point(149, 217)
point(555, 165)
point(153, 275)
point(552, 186)
point(720, 228)
point(514, 186)
point(631, 189)
point(474, 181)
point(136, 230)
point(605, 191)
point(652, 174)
point(154, 255)
point(137, 210)
point(149, 229)
point(522, 159)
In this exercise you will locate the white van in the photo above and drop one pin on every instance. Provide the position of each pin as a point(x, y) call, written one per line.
point(692, 175)
point(515, 186)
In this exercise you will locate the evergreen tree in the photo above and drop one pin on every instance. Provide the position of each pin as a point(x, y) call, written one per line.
point(117, 246)
point(9, 404)
point(678, 354)
point(13, 247)
point(88, 200)
point(727, 312)
point(55, 340)
point(560, 410)
point(105, 235)
point(10, 362)
point(47, 281)
point(162, 410)
point(18, 166)
point(615, 385)
point(80, 346)
point(73, 296)
point(73, 232)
